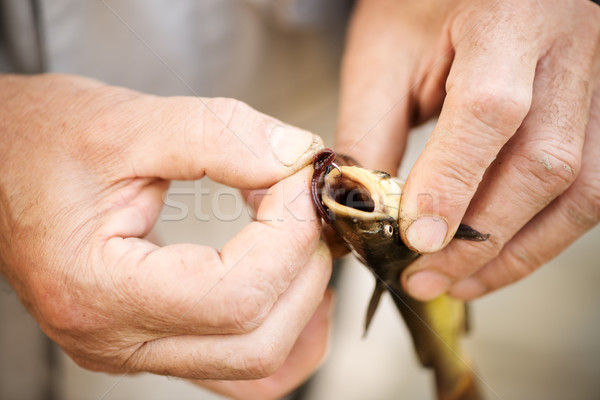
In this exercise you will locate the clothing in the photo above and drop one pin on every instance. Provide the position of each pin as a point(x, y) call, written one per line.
point(253, 50)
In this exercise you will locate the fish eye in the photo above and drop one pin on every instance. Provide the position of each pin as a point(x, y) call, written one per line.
point(388, 230)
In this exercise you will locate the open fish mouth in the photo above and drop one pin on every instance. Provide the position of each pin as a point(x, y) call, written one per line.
point(345, 192)
point(356, 192)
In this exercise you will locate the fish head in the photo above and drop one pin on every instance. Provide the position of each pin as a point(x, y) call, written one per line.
point(363, 209)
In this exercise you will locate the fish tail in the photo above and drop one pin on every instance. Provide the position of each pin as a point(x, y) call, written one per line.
point(436, 328)
point(452, 387)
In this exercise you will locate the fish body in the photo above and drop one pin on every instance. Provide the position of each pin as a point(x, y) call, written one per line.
point(362, 207)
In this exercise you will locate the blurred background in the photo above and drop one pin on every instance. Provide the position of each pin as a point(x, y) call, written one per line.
point(537, 339)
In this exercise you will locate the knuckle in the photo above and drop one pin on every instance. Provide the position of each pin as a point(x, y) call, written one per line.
point(456, 180)
point(520, 263)
point(264, 359)
point(227, 122)
point(584, 207)
point(109, 116)
point(501, 108)
point(249, 308)
point(63, 315)
point(222, 116)
point(217, 119)
point(555, 168)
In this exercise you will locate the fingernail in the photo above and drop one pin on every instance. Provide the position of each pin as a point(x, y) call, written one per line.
point(293, 147)
point(467, 289)
point(427, 233)
point(427, 285)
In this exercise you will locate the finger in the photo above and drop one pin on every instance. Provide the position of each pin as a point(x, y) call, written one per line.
point(489, 92)
point(187, 138)
point(334, 242)
point(253, 198)
point(550, 232)
point(253, 355)
point(336, 245)
point(534, 167)
point(375, 92)
point(306, 355)
point(189, 289)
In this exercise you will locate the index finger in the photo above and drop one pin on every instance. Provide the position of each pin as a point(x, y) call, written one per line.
point(489, 92)
point(186, 138)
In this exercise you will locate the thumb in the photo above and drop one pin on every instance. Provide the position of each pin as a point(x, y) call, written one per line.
point(225, 139)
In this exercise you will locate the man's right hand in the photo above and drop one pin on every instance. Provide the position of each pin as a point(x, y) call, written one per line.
point(83, 170)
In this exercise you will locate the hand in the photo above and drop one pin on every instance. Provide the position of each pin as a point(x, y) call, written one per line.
point(83, 171)
point(516, 149)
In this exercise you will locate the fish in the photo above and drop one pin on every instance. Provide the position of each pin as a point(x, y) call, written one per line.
point(362, 206)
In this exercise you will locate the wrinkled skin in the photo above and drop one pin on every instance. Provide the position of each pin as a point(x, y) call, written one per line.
point(515, 85)
point(83, 170)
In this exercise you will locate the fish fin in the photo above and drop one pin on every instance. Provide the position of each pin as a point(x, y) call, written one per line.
point(375, 297)
point(467, 319)
point(465, 232)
